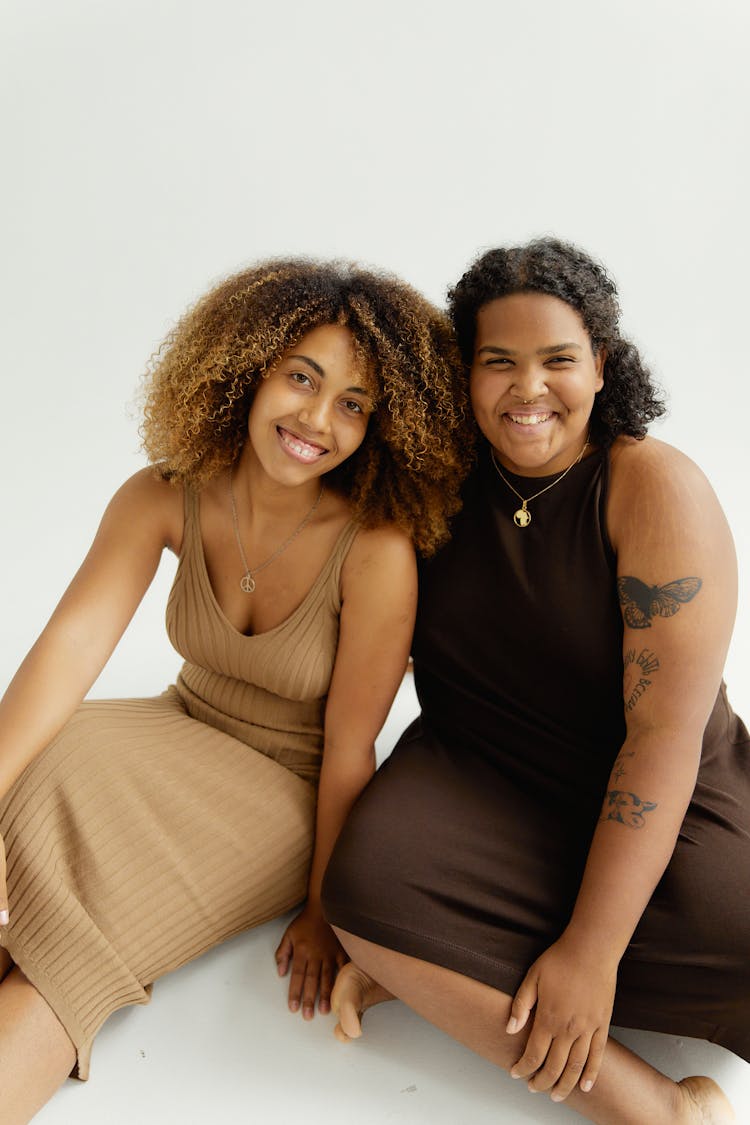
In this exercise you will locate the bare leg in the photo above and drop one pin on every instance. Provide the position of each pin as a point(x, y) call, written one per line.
point(36, 1055)
point(628, 1090)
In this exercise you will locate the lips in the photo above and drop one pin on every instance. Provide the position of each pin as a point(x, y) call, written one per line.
point(303, 450)
point(530, 419)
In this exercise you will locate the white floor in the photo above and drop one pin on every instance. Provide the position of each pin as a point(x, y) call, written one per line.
point(217, 1044)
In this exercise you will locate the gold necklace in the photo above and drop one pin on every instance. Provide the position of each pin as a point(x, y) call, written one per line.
point(247, 582)
point(522, 516)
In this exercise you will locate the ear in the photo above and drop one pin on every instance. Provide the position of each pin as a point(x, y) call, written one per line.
point(599, 361)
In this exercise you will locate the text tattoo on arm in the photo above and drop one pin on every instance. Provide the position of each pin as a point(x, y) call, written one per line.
point(640, 602)
point(638, 668)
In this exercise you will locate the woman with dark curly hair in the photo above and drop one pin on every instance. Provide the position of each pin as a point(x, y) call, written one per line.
point(562, 839)
point(305, 423)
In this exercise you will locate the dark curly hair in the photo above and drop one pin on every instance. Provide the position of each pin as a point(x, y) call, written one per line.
point(418, 444)
point(629, 399)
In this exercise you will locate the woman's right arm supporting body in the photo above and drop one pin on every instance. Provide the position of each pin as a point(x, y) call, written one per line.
point(143, 517)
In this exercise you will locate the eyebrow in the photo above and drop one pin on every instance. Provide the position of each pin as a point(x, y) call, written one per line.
point(319, 370)
point(493, 349)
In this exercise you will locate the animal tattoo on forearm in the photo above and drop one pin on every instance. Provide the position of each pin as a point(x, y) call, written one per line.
point(626, 808)
point(640, 602)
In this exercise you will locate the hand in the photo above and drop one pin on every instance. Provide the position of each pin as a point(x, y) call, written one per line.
point(3, 887)
point(574, 994)
point(311, 947)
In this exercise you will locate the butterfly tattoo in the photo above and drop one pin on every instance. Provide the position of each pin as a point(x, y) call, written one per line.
point(641, 602)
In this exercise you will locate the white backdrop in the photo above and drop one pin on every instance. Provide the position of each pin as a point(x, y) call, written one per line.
point(152, 146)
point(155, 145)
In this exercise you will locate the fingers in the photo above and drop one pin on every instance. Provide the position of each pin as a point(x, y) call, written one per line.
point(596, 1056)
point(303, 987)
point(562, 1068)
point(523, 1003)
point(534, 1056)
point(326, 984)
point(559, 1065)
point(283, 955)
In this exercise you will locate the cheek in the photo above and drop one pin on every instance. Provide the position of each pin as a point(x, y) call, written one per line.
point(358, 432)
point(480, 393)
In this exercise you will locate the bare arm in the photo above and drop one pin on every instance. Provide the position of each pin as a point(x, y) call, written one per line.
point(677, 587)
point(678, 594)
point(377, 619)
point(143, 517)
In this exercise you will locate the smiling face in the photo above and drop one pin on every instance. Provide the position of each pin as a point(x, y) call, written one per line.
point(533, 381)
point(311, 412)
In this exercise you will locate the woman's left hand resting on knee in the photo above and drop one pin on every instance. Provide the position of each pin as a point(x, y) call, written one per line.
point(574, 995)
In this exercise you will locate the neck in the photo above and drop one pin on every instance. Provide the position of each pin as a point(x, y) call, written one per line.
point(530, 473)
point(266, 498)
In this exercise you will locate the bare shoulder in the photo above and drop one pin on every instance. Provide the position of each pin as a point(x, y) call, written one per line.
point(656, 490)
point(650, 461)
point(379, 544)
point(149, 502)
point(379, 557)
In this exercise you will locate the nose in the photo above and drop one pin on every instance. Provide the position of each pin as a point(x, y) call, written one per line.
point(315, 414)
point(530, 382)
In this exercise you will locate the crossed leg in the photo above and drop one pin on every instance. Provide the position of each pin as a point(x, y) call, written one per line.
point(36, 1055)
point(628, 1091)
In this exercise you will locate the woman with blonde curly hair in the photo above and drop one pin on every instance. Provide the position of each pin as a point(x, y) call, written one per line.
point(305, 427)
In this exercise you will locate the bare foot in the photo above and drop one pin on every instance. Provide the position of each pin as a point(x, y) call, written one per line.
point(353, 993)
point(705, 1102)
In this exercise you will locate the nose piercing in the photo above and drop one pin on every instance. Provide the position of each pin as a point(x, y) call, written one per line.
point(526, 401)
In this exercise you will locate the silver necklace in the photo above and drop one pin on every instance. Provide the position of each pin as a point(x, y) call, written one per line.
point(247, 582)
point(522, 515)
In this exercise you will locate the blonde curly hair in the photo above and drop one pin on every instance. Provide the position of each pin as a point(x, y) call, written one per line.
point(419, 442)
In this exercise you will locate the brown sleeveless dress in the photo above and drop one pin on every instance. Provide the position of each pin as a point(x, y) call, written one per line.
point(152, 829)
point(468, 846)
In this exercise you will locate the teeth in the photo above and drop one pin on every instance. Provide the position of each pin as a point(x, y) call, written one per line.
point(302, 449)
point(529, 419)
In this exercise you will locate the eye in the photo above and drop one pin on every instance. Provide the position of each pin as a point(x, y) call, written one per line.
point(558, 360)
point(498, 361)
point(352, 406)
point(300, 378)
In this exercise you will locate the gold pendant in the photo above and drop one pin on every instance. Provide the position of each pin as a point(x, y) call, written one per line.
point(522, 518)
point(247, 583)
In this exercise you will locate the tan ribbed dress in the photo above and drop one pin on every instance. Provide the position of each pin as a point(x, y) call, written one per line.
point(152, 829)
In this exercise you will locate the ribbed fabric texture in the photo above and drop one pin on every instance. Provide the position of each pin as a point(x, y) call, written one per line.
point(151, 830)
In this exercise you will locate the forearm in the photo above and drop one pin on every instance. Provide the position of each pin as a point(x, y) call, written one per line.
point(647, 795)
point(48, 686)
point(341, 783)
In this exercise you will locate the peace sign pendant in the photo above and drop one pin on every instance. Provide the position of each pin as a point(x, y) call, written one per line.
point(247, 583)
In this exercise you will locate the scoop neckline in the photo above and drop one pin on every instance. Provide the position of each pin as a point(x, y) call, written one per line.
point(322, 573)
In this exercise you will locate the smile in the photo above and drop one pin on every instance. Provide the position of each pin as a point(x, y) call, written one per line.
point(303, 450)
point(530, 419)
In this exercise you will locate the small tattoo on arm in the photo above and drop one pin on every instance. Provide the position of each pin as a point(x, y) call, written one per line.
point(637, 673)
point(626, 808)
point(640, 603)
point(619, 767)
